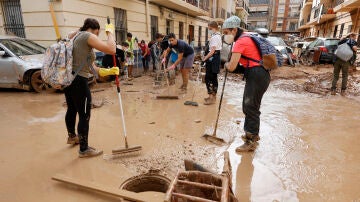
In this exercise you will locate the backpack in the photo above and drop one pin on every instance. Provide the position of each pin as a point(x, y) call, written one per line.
point(344, 52)
point(270, 57)
point(57, 68)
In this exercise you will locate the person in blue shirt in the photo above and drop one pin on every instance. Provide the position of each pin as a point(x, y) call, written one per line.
point(185, 58)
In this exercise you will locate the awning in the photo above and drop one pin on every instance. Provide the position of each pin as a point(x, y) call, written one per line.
point(182, 6)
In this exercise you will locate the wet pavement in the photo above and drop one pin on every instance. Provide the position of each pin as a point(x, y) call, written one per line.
point(308, 149)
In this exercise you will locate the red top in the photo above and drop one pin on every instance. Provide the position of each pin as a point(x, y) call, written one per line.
point(247, 47)
point(143, 48)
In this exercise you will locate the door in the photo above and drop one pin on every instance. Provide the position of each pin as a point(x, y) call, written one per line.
point(13, 20)
point(8, 69)
point(191, 33)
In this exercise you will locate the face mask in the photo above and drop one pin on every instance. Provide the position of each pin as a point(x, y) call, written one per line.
point(229, 38)
point(211, 32)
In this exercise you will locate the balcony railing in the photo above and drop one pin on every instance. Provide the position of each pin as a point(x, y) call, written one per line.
point(203, 4)
point(338, 2)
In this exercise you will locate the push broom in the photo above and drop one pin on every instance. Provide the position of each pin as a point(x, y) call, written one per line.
point(212, 137)
point(126, 149)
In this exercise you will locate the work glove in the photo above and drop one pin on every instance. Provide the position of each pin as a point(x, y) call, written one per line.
point(108, 72)
point(163, 60)
point(110, 28)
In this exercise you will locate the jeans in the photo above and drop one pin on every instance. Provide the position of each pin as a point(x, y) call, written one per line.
point(211, 76)
point(153, 58)
point(78, 99)
point(344, 67)
point(145, 62)
point(257, 82)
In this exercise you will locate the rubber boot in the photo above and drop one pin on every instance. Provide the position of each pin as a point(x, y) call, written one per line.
point(342, 93)
point(211, 100)
point(333, 92)
point(250, 143)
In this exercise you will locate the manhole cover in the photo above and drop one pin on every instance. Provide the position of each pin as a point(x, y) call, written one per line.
point(146, 182)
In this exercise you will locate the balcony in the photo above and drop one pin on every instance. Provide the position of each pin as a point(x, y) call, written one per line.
point(219, 15)
point(346, 5)
point(294, 15)
point(321, 14)
point(191, 7)
point(308, 3)
point(242, 7)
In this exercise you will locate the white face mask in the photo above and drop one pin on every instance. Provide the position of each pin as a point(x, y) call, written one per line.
point(229, 38)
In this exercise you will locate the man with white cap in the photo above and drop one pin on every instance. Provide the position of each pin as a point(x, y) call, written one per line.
point(256, 76)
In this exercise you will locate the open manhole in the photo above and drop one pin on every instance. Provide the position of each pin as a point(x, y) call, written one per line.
point(146, 183)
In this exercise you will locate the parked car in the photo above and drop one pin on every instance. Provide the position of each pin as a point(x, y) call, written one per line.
point(20, 64)
point(283, 48)
point(319, 51)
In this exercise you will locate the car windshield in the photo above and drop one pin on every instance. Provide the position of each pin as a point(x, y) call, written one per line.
point(276, 41)
point(21, 47)
point(331, 42)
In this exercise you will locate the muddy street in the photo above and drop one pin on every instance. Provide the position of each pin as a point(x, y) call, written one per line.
point(308, 149)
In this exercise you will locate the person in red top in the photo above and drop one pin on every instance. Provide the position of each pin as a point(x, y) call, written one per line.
point(145, 53)
point(256, 77)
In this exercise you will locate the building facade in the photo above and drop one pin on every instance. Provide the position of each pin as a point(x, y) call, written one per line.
point(188, 19)
point(259, 14)
point(332, 19)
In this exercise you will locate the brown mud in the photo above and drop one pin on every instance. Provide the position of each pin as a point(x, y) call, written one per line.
point(308, 148)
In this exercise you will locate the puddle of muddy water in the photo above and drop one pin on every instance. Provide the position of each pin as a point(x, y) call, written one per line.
point(296, 159)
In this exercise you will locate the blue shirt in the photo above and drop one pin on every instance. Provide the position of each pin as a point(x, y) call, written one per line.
point(182, 47)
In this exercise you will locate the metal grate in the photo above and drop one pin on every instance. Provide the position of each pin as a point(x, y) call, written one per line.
point(120, 24)
point(13, 21)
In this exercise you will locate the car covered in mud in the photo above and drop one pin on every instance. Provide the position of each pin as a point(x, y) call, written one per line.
point(20, 64)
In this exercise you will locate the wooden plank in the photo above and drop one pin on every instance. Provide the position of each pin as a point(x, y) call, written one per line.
point(171, 188)
point(100, 189)
point(196, 184)
point(192, 198)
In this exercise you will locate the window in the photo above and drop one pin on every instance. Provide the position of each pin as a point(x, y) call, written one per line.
point(349, 29)
point(341, 30)
point(154, 26)
point(13, 21)
point(181, 30)
point(199, 36)
point(335, 31)
point(168, 27)
point(120, 24)
point(292, 26)
point(279, 24)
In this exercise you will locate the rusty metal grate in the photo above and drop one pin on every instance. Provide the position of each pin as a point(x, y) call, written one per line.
point(13, 20)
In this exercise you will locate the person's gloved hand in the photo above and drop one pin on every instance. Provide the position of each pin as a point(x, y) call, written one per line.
point(163, 60)
point(108, 72)
point(110, 28)
point(171, 67)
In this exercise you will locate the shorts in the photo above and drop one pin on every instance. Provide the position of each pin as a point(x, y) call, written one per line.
point(187, 62)
point(130, 61)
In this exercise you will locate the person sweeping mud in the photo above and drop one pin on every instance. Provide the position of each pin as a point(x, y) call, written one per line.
point(342, 65)
point(78, 96)
point(212, 60)
point(185, 58)
point(256, 77)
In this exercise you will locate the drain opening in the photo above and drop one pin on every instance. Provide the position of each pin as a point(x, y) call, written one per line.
point(145, 183)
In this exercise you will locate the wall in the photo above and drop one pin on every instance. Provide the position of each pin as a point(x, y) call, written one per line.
point(70, 15)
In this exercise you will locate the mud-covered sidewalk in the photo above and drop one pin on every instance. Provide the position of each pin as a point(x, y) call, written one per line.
point(308, 148)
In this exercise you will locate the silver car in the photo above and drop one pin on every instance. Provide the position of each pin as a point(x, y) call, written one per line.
point(20, 64)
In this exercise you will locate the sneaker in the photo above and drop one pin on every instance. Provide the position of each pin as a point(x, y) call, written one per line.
point(90, 152)
point(248, 146)
point(73, 140)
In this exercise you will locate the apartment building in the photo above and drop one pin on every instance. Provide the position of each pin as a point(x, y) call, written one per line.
point(143, 18)
point(242, 11)
point(326, 18)
point(285, 16)
point(259, 14)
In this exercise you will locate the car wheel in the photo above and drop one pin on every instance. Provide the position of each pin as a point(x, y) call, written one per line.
point(37, 84)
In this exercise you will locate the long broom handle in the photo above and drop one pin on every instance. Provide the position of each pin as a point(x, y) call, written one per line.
point(222, 92)
point(119, 96)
